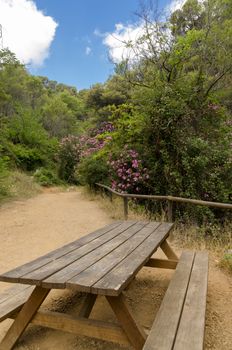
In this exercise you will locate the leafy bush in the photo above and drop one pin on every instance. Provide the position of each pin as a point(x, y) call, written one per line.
point(73, 148)
point(91, 170)
point(27, 143)
point(3, 176)
point(27, 158)
point(68, 157)
point(46, 177)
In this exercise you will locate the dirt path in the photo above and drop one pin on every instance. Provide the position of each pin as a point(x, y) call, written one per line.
point(34, 227)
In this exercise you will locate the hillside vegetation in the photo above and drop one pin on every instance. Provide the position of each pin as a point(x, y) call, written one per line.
point(160, 125)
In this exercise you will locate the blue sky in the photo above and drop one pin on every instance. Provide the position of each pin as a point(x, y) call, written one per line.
point(77, 22)
point(68, 41)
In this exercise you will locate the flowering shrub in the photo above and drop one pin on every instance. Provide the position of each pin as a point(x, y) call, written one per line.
point(105, 127)
point(97, 139)
point(127, 173)
point(90, 145)
point(72, 149)
point(69, 155)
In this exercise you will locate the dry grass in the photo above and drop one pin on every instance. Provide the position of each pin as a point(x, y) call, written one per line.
point(214, 238)
point(20, 185)
point(226, 262)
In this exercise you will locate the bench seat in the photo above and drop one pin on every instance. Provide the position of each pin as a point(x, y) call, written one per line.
point(12, 299)
point(180, 321)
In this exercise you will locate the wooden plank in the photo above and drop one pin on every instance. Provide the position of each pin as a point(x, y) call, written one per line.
point(125, 207)
point(163, 331)
point(81, 326)
point(134, 332)
point(13, 275)
point(12, 291)
point(59, 279)
point(161, 263)
point(192, 324)
point(16, 299)
point(86, 279)
point(23, 318)
point(87, 305)
point(170, 211)
point(120, 276)
point(36, 276)
point(170, 254)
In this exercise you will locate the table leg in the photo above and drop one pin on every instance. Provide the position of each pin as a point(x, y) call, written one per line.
point(134, 332)
point(24, 317)
point(170, 254)
point(88, 305)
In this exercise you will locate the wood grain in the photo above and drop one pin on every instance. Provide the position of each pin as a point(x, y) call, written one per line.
point(57, 264)
point(119, 277)
point(13, 299)
point(192, 324)
point(134, 332)
point(86, 279)
point(82, 326)
point(161, 263)
point(13, 275)
point(59, 279)
point(164, 328)
point(23, 318)
point(168, 251)
point(87, 305)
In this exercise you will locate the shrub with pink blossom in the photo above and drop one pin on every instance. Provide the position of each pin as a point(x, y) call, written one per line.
point(72, 149)
point(69, 155)
point(127, 172)
point(96, 140)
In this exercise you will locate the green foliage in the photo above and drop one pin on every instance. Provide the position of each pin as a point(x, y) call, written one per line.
point(4, 190)
point(27, 143)
point(172, 105)
point(57, 118)
point(68, 158)
point(91, 170)
point(46, 177)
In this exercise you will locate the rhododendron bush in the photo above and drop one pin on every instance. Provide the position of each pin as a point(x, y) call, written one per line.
point(127, 172)
point(73, 149)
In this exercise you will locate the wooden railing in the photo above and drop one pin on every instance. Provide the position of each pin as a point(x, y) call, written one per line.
point(169, 199)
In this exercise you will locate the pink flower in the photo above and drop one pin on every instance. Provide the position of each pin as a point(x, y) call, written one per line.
point(135, 163)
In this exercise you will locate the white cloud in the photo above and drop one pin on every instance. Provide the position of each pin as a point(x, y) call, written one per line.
point(123, 42)
point(174, 5)
point(129, 42)
point(27, 31)
point(120, 43)
point(88, 50)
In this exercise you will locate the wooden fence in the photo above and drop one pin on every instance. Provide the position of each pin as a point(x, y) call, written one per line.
point(169, 199)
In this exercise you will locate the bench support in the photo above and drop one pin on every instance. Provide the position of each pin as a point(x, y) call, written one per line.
point(161, 263)
point(81, 326)
point(88, 305)
point(134, 332)
point(170, 254)
point(127, 333)
point(23, 318)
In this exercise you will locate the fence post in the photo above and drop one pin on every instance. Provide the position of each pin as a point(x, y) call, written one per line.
point(170, 216)
point(125, 200)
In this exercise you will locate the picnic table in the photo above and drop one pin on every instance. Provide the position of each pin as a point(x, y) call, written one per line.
point(102, 263)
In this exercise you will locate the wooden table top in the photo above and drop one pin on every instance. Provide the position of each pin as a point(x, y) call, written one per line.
point(103, 262)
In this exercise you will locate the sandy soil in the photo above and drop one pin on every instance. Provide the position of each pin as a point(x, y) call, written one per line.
point(33, 227)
